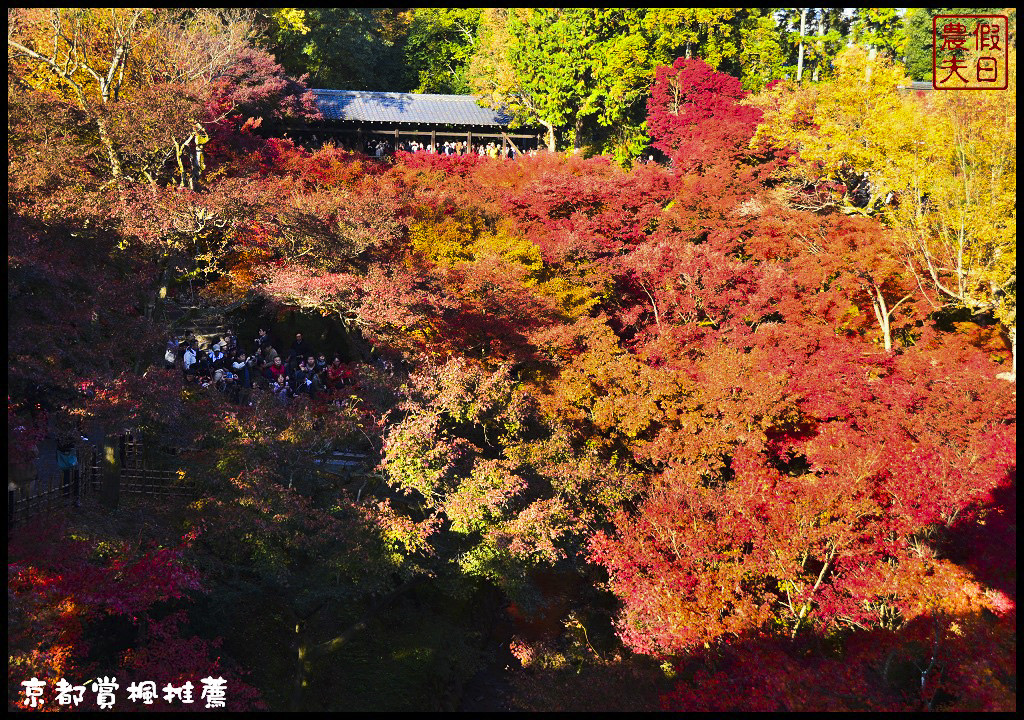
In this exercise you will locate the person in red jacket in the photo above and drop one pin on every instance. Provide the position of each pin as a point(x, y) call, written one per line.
point(335, 371)
point(276, 369)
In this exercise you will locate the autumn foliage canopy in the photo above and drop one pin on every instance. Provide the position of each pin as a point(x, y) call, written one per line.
point(702, 386)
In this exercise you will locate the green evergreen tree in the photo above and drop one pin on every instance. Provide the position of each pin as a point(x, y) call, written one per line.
point(438, 48)
point(585, 73)
point(340, 48)
point(881, 29)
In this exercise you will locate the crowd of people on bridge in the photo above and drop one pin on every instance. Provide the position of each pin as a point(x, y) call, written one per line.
point(228, 367)
point(458, 147)
point(383, 148)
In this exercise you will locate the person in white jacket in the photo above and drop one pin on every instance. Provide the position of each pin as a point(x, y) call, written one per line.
point(242, 366)
point(188, 359)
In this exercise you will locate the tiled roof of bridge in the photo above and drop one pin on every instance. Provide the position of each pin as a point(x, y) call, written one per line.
point(917, 85)
point(420, 109)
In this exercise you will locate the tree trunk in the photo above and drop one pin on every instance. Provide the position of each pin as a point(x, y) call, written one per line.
point(871, 59)
point(115, 164)
point(821, 34)
point(577, 131)
point(1012, 375)
point(155, 301)
point(301, 667)
point(199, 138)
point(657, 317)
point(882, 314)
point(1013, 346)
point(807, 605)
point(549, 135)
point(306, 653)
point(800, 54)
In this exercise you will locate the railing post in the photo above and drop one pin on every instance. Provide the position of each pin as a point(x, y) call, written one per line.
point(12, 511)
point(94, 469)
point(110, 472)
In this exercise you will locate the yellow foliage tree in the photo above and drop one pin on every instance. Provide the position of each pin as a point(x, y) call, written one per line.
point(461, 239)
point(940, 168)
point(445, 239)
point(97, 59)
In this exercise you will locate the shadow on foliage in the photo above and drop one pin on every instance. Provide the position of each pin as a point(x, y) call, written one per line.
point(985, 542)
point(936, 661)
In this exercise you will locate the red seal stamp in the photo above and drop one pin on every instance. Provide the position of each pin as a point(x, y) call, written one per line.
point(970, 52)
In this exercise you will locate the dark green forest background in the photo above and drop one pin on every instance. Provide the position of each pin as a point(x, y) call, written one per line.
point(583, 73)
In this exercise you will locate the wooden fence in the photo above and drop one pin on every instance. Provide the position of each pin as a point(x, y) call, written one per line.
point(57, 490)
point(137, 476)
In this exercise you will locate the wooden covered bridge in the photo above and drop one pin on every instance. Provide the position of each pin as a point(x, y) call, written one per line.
point(356, 118)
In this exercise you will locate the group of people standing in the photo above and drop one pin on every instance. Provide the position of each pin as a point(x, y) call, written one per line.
point(227, 367)
point(383, 148)
point(461, 147)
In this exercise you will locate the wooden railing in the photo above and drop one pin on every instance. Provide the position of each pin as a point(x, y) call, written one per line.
point(138, 477)
point(56, 490)
point(344, 464)
point(155, 482)
point(51, 494)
